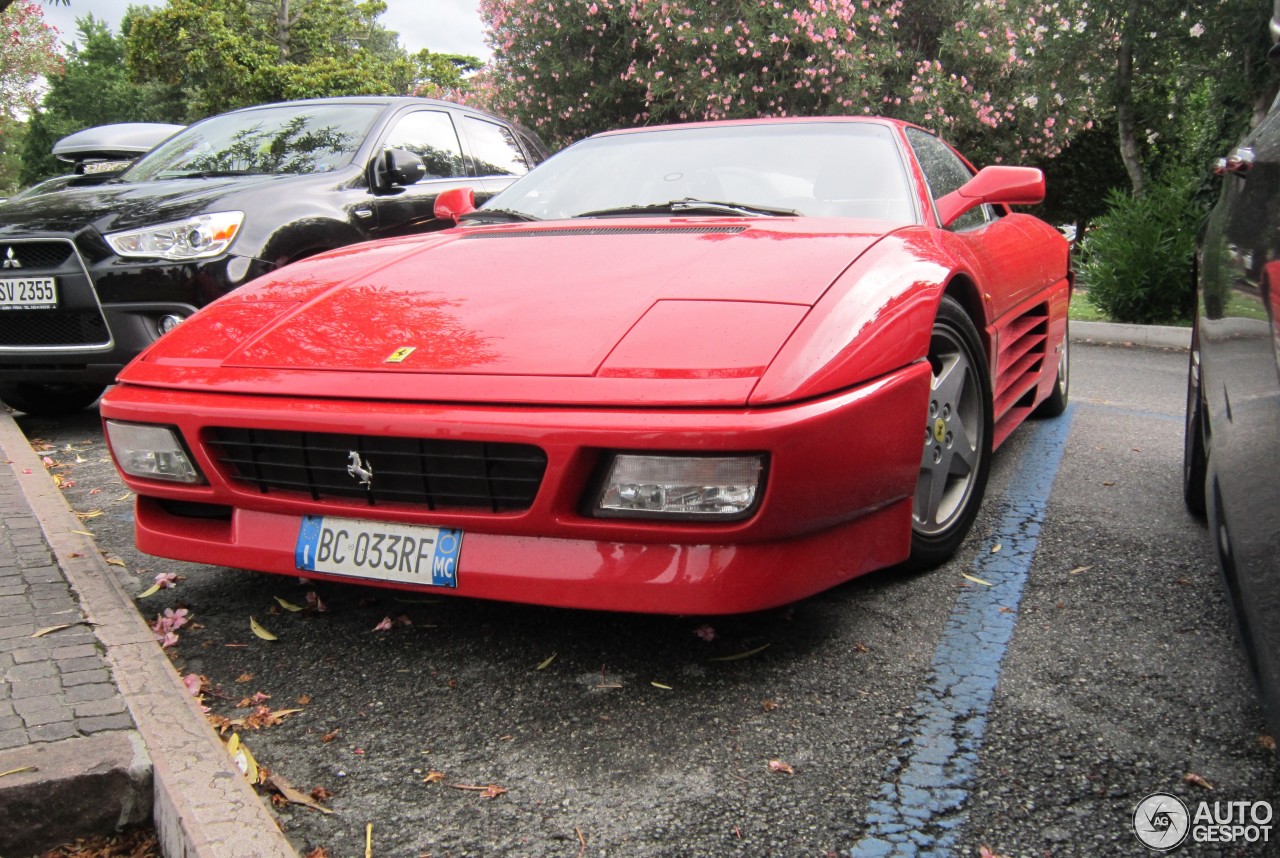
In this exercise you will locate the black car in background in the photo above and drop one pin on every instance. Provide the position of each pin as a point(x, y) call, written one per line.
point(1231, 468)
point(89, 276)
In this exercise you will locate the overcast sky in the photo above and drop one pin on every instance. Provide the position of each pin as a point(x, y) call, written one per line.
point(444, 26)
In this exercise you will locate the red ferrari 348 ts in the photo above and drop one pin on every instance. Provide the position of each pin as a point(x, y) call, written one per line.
point(706, 368)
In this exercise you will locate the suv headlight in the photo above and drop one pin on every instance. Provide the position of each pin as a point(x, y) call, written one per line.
point(198, 237)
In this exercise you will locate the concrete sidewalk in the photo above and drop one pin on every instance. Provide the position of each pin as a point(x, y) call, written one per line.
point(96, 728)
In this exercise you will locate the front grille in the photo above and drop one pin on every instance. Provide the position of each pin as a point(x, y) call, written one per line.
point(52, 328)
point(417, 471)
point(22, 257)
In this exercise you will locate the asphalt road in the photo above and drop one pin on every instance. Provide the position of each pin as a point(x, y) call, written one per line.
point(1091, 663)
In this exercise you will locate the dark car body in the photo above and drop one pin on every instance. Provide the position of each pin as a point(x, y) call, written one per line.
point(1233, 395)
point(304, 177)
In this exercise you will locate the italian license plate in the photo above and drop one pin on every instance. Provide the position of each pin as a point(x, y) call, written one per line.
point(406, 553)
point(28, 293)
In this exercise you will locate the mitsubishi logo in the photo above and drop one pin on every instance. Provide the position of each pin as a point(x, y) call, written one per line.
point(11, 261)
point(361, 470)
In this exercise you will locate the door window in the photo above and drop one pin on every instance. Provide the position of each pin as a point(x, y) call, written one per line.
point(496, 151)
point(945, 172)
point(430, 135)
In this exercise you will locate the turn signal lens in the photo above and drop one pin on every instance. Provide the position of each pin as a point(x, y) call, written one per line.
point(640, 486)
point(151, 452)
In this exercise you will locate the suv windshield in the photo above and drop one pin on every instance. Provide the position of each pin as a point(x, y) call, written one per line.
point(288, 139)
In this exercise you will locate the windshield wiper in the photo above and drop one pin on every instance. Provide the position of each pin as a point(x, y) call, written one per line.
point(497, 215)
point(692, 205)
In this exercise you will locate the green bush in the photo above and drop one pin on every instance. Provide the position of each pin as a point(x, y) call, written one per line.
point(1136, 261)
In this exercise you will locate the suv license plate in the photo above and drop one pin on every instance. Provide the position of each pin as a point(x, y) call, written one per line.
point(379, 550)
point(28, 293)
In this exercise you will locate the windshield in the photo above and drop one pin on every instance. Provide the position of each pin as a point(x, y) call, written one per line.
point(288, 139)
point(838, 169)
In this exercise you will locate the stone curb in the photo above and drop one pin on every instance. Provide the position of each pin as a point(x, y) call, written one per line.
point(202, 806)
point(1148, 336)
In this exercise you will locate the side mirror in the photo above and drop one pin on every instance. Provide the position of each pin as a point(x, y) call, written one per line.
point(1010, 186)
point(396, 167)
point(454, 203)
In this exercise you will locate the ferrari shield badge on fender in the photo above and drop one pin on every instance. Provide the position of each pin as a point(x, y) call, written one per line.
point(400, 354)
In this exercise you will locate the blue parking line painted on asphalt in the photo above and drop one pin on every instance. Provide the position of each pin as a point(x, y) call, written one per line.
point(923, 801)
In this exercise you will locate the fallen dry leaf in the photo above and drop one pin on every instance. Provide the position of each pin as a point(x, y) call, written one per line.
point(260, 631)
point(996, 549)
point(286, 789)
point(48, 630)
point(330, 736)
point(245, 677)
point(769, 704)
point(780, 766)
point(1079, 569)
point(321, 794)
point(739, 655)
point(860, 648)
point(304, 700)
point(490, 791)
point(19, 771)
point(243, 759)
point(546, 662)
point(1195, 780)
point(318, 852)
point(433, 777)
point(1267, 742)
point(288, 606)
point(969, 577)
point(93, 513)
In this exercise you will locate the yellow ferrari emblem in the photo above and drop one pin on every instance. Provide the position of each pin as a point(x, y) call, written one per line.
point(400, 354)
point(939, 430)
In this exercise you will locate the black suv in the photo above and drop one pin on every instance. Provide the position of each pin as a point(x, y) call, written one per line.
point(90, 276)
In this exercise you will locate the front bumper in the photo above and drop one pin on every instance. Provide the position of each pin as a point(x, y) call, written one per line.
point(837, 502)
point(109, 309)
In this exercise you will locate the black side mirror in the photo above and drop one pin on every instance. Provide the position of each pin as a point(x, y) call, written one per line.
point(395, 167)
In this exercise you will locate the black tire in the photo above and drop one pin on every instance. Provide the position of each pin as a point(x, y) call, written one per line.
point(1056, 403)
point(1195, 459)
point(50, 400)
point(957, 450)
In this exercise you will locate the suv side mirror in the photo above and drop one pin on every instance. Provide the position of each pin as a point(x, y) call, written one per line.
point(1010, 186)
point(454, 203)
point(395, 167)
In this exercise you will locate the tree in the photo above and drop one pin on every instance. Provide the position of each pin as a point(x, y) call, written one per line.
point(93, 88)
point(28, 51)
point(224, 55)
point(963, 68)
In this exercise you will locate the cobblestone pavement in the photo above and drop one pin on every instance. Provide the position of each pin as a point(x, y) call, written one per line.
point(96, 729)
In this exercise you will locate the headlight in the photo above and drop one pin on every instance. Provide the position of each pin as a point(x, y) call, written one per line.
point(639, 486)
point(194, 238)
point(151, 452)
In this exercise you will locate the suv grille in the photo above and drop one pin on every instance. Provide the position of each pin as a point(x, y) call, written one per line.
point(416, 471)
point(37, 255)
point(77, 322)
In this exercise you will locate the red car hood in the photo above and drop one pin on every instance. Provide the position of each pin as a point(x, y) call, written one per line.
point(670, 299)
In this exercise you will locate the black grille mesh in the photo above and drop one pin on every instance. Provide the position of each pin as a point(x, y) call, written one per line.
point(33, 256)
point(49, 328)
point(417, 471)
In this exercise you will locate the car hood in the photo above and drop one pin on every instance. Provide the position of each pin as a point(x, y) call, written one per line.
point(114, 206)
point(556, 312)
